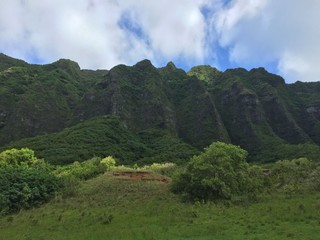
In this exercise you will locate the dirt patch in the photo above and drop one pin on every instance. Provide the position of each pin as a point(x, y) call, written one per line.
point(140, 176)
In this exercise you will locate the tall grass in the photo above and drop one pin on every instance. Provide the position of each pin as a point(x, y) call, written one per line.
point(109, 208)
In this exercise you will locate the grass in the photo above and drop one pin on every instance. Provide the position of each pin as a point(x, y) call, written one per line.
point(110, 208)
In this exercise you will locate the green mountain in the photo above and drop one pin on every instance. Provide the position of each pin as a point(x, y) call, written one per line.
point(142, 113)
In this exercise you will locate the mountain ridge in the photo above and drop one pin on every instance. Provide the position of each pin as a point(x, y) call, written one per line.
point(254, 109)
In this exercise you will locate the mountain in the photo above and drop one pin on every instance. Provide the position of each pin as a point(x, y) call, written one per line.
point(255, 109)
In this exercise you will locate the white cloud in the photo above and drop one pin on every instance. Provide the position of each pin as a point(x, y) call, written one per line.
point(88, 31)
point(174, 27)
point(261, 32)
point(104, 33)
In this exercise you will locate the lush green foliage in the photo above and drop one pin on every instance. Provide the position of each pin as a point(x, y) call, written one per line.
point(253, 109)
point(14, 158)
point(167, 169)
point(25, 180)
point(296, 176)
point(25, 188)
point(104, 136)
point(86, 169)
point(164, 147)
point(72, 174)
point(220, 172)
point(108, 163)
point(101, 136)
point(161, 115)
point(102, 206)
point(268, 118)
point(205, 73)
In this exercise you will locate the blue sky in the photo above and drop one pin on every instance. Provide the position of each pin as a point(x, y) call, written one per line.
point(282, 36)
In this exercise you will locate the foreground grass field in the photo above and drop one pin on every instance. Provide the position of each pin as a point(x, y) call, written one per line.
point(109, 207)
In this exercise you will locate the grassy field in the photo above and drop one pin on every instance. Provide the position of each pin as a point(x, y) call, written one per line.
point(109, 207)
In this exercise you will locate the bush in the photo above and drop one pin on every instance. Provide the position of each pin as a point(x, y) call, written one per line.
point(87, 169)
point(292, 176)
point(162, 168)
point(25, 187)
point(312, 183)
point(25, 180)
point(220, 172)
point(108, 163)
point(292, 171)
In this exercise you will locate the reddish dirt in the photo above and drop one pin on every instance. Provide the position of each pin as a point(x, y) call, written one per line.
point(140, 176)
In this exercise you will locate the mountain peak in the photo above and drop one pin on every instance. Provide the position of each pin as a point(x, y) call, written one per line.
point(204, 72)
point(67, 63)
point(144, 64)
point(171, 65)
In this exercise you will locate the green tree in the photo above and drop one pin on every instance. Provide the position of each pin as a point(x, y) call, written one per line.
point(23, 157)
point(220, 172)
point(108, 163)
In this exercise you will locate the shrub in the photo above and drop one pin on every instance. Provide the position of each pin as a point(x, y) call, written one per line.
point(296, 175)
point(108, 163)
point(25, 180)
point(291, 171)
point(220, 172)
point(25, 187)
point(312, 183)
point(87, 169)
point(162, 168)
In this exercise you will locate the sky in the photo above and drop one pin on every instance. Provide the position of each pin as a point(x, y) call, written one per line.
point(281, 36)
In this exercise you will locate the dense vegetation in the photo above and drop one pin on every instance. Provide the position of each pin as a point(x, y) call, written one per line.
point(186, 111)
point(220, 172)
point(104, 136)
point(287, 207)
point(25, 180)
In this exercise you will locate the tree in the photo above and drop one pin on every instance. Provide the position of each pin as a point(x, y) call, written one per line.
point(108, 163)
point(18, 157)
point(220, 172)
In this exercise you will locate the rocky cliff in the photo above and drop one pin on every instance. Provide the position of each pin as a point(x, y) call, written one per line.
point(254, 109)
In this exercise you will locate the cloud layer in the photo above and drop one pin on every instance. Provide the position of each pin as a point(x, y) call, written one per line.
point(280, 35)
point(101, 34)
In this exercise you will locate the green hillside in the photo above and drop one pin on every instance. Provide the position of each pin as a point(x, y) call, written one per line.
point(108, 207)
point(253, 109)
point(107, 136)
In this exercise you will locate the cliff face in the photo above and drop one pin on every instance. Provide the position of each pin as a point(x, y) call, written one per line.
point(253, 109)
point(143, 96)
point(135, 94)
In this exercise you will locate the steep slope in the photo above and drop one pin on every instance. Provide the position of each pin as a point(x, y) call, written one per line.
point(144, 96)
point(258, 110)
point(303, 100)
point(254, 109)
point(52, 97)
point(38, 99)
point(7, 62)
point(135, 94)
point(197, 119)
point(107, 135)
